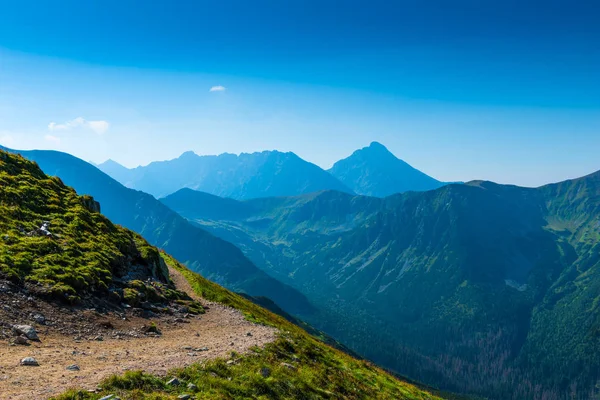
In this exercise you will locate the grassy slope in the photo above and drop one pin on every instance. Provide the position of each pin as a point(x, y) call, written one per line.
point(84, 251)
point(320, 372)
point(202, 252)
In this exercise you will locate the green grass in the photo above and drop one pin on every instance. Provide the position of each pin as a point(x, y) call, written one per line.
point(84, 249)
point(300, 366)
point(84, 253)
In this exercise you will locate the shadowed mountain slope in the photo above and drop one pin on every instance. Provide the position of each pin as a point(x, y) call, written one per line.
point(481, 288)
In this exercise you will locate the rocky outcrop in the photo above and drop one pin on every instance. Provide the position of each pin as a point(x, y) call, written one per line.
point(90, 204)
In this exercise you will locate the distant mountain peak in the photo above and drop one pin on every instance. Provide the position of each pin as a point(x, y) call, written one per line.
point(188, 154)
point(377, 146)
point(110, 162)
point(375, 171)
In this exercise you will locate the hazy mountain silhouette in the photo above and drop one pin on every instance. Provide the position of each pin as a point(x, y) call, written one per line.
point(264, 174)
point(375, 171)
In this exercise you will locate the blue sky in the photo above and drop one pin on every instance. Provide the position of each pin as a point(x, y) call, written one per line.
point(504, 91)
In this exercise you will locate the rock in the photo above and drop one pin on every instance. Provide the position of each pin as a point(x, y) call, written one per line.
point(19, 340)
point(26, 330)
point(265, 372)
point(99, 338)
point(173, 382)
point(73, 367)
point(289, 366)
point(249, 334)
point(29, 362)
point(40, 319)
point(109, 397)
point(184, 397)
point(192, 387)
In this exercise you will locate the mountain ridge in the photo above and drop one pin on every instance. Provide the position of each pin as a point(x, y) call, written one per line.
point(248, 175)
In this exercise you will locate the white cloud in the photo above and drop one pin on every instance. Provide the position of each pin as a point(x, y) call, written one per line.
point(97, 126)
point(218, 89)
point(52, 138)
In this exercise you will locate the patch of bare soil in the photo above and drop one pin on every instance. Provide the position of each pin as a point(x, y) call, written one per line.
point(105, 342)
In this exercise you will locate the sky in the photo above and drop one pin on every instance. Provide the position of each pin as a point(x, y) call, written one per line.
point(507, 91)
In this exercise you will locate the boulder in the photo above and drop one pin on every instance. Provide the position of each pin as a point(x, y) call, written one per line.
point(173, 382)
point(27, 330)
point(29, 362)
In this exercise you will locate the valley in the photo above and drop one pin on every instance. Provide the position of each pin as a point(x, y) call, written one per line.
point(462, 287)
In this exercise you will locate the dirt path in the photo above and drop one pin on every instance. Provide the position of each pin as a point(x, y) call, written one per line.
point(221, 330)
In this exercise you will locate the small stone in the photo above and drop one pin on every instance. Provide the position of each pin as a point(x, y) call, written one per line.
point(184, 397)
point(173, 382)
point(265, 372)
point(26, 330)
point(289, 366)
point(249, 334)
point(73, 367)
point(99, 338)
point(39, 318)
point(191, 386)
point(109, 397)
point(29, 362)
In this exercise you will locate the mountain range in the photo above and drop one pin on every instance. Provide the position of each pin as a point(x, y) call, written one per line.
point(477, 288)
point(372, 171)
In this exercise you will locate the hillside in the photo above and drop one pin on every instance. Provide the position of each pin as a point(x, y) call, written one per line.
point(268, 173)
point(478, 288)
point(202, 252)
point(375, 171)
point(61, 256)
